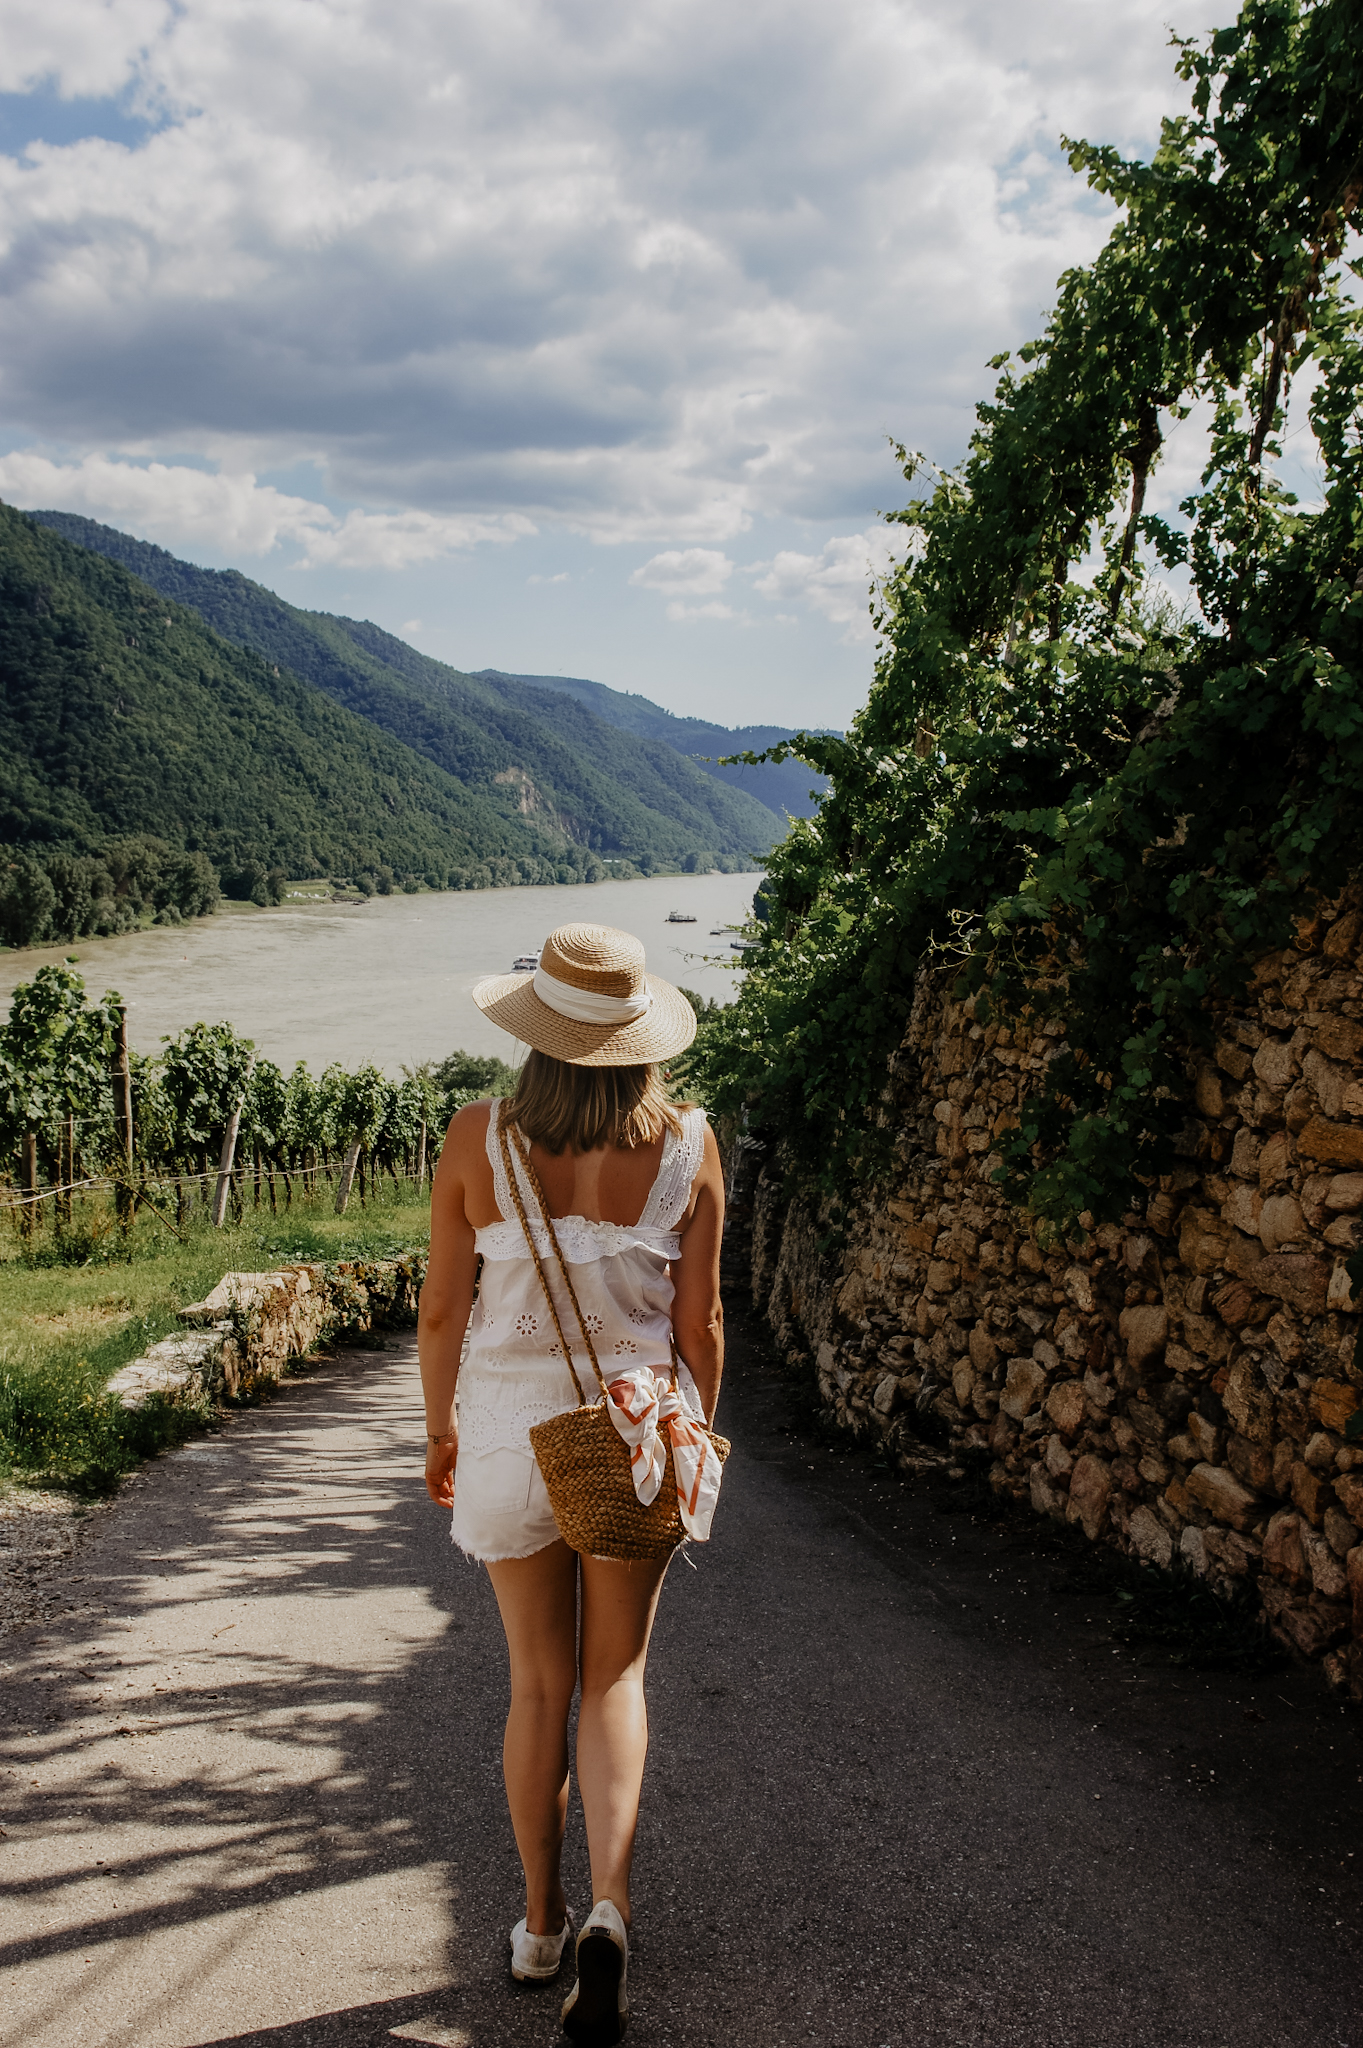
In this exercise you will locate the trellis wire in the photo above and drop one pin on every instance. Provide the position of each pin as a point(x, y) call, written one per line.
point(240, 1174)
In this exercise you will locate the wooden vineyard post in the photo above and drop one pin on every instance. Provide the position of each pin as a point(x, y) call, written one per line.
point(123, 1112)
point(348, 1165)
point(227, 1155)
point(69, 1175)
point(30, 1211)
point(225, 1158)
point(421, 1157)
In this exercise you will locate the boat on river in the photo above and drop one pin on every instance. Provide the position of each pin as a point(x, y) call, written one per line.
point(525, 963)
point(680, 917)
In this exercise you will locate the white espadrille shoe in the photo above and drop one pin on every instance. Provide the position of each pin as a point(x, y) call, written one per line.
point(535, 1958)
point(596, 2010)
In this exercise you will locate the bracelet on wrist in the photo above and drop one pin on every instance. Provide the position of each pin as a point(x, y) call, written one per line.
point(446, 1436)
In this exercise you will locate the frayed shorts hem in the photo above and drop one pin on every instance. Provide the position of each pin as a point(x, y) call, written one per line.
point(503, 1556)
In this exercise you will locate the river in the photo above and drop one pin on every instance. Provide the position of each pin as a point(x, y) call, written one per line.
point(387, 980)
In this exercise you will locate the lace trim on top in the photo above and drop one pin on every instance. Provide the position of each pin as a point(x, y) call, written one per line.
point(583, 1239)
point(678, 1167)
point(501, 1187)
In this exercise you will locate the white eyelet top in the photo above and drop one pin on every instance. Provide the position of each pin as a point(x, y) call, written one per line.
point(514, 1374)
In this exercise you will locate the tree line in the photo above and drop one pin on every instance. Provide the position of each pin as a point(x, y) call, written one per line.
point(55, 897)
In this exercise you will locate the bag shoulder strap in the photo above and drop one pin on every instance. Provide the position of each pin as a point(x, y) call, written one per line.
point(522, 1151)
point(513, 1182)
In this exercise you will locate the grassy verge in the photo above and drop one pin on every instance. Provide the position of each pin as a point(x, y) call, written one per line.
point(76, 1305)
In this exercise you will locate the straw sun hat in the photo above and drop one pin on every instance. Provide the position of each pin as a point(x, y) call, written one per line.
point(590, 1002)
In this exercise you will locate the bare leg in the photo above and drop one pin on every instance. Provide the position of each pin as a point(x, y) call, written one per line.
point(618, 1604)
point(538, 1599)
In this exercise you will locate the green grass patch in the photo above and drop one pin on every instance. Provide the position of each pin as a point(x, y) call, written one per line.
point(77, 1303)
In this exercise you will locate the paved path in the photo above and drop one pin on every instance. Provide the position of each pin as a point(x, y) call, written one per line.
point(901, 1790)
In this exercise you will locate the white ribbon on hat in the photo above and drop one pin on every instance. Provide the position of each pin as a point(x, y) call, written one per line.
point(586, 1008)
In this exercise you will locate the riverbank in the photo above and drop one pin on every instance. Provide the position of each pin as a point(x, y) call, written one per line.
point(388, 980)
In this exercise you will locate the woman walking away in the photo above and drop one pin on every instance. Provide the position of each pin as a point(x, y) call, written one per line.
point(595, 1206)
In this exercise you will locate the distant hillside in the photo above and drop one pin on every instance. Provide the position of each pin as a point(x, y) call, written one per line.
point(122, 713)
point(784, 786)
point(571, 778)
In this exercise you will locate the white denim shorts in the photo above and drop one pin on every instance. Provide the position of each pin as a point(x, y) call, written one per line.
point(501, 1505)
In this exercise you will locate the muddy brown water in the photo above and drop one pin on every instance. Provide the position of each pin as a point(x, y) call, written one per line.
point(388, 980)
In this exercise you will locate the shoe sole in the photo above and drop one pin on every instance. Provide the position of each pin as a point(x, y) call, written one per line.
point(595, 2020)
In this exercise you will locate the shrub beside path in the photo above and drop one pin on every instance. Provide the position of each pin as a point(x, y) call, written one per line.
point(900, 1791)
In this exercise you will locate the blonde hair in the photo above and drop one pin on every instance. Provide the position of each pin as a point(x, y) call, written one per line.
point(567, 1108)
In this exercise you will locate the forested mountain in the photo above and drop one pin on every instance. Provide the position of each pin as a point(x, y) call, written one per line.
point(578, 779)
point(121, 713)
point(783, 786)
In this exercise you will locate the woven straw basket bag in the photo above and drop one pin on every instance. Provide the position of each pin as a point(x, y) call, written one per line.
point(584, 1461)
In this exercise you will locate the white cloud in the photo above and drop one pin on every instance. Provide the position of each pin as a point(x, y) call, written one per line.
point(235, 515)
point(397, 540)
point(89, 47)
point(678, 612)
point(651, 273)
point(697, 571)
point(837, 580)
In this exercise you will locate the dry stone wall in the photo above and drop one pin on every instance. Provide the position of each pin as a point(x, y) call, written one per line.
point(1178, 1384)
point(248, 1330)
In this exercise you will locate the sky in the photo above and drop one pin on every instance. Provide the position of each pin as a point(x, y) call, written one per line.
point(559, 338)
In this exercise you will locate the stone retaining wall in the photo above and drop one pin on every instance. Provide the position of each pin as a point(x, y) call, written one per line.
point(248, 1329)
point(1177, 1385)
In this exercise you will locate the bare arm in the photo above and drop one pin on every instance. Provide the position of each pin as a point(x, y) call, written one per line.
point(697, 1316)
point(447, 1298)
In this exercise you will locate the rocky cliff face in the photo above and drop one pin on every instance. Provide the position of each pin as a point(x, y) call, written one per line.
point(1178, 1384)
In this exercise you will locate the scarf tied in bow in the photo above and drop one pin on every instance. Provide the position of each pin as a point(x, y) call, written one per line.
point(643, 1404)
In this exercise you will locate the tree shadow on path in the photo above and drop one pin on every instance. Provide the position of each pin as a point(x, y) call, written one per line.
point(897, 1792)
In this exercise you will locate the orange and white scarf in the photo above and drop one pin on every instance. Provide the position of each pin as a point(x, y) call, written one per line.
point(642, 1404)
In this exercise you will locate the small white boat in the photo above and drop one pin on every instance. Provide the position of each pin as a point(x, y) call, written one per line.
point(744, 945)
point(525, 963)
point(680, 917)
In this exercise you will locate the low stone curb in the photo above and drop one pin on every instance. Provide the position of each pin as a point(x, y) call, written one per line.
point(253, 1324)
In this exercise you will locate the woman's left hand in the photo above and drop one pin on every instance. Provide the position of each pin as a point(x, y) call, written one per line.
point(440, 1462)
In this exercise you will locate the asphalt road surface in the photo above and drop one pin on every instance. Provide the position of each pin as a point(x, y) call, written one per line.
point(903, 1788)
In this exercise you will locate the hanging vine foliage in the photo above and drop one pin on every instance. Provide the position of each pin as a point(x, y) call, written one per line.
point(1103, 804)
